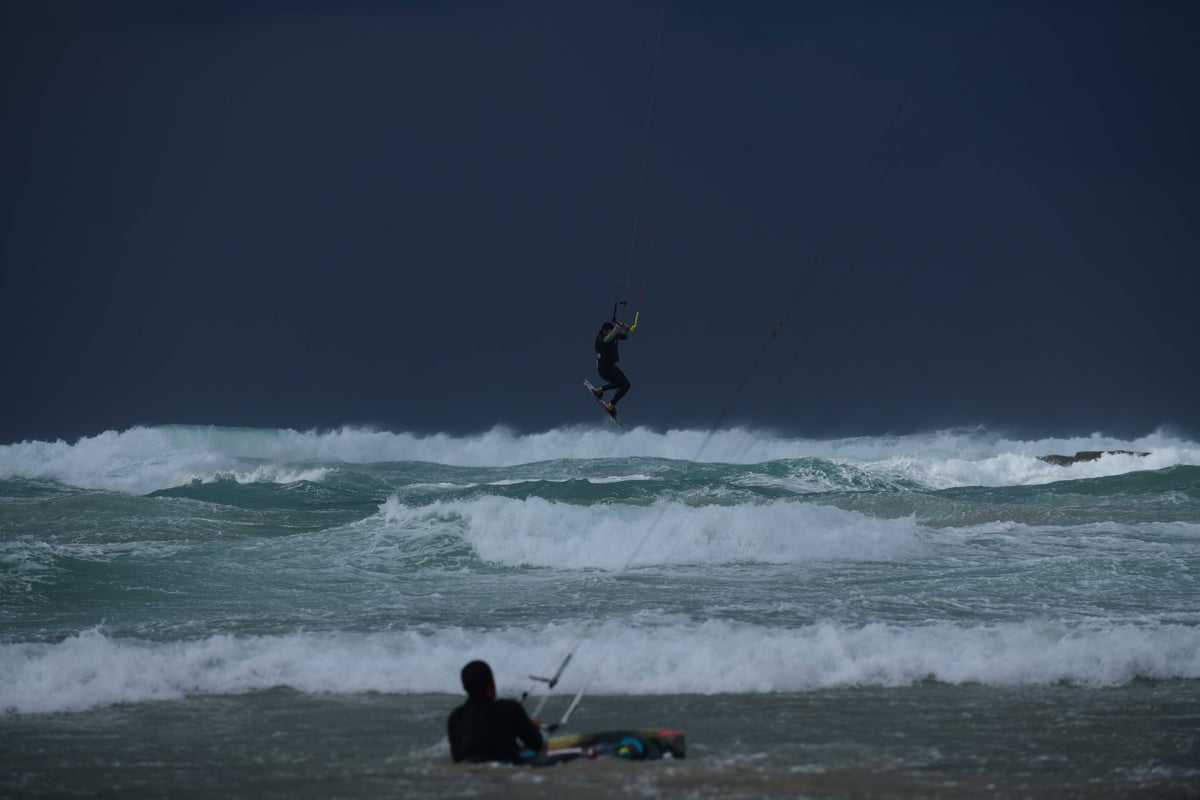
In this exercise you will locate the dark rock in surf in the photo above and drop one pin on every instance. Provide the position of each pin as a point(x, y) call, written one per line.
point(1086, 455)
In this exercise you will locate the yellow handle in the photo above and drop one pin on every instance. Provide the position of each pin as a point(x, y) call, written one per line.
point(635, 319)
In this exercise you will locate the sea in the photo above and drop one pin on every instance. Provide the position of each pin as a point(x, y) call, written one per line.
point(198, 611)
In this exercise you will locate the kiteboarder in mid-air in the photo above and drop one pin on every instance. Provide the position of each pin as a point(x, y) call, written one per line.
point(606, 364)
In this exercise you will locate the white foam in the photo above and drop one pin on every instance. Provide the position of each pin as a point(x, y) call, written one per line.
point(275, 474)
point(540, 532)
point(141, 460)
point(1022, 467)
point(658, 656)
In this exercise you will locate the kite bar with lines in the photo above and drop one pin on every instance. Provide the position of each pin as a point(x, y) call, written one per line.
point(616, 305)
point(552, 682)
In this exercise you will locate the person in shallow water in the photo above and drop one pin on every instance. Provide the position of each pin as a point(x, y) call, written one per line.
point(486, 728)
point(606, 363)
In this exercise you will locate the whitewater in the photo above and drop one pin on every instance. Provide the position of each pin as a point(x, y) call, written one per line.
point(874, 611)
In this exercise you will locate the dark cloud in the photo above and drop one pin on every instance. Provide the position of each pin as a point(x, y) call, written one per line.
point(415, 216)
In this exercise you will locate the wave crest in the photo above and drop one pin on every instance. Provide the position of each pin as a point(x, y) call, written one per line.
point(93, 669)
point(144, 459)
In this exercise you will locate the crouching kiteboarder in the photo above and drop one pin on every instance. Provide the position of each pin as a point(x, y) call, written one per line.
point(487, 728)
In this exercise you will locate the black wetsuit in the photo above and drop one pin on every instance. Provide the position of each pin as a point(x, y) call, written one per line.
point(487, 729)
point(606, 364)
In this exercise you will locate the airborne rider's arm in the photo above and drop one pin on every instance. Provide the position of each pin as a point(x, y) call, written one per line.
point(621, 331)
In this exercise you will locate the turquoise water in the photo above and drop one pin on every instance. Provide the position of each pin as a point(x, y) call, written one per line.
point(925, 615)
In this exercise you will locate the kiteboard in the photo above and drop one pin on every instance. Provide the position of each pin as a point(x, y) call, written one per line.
point(641, 744)
point(592, 391)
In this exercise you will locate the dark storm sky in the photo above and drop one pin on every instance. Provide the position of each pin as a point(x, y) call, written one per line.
point(415, 215)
